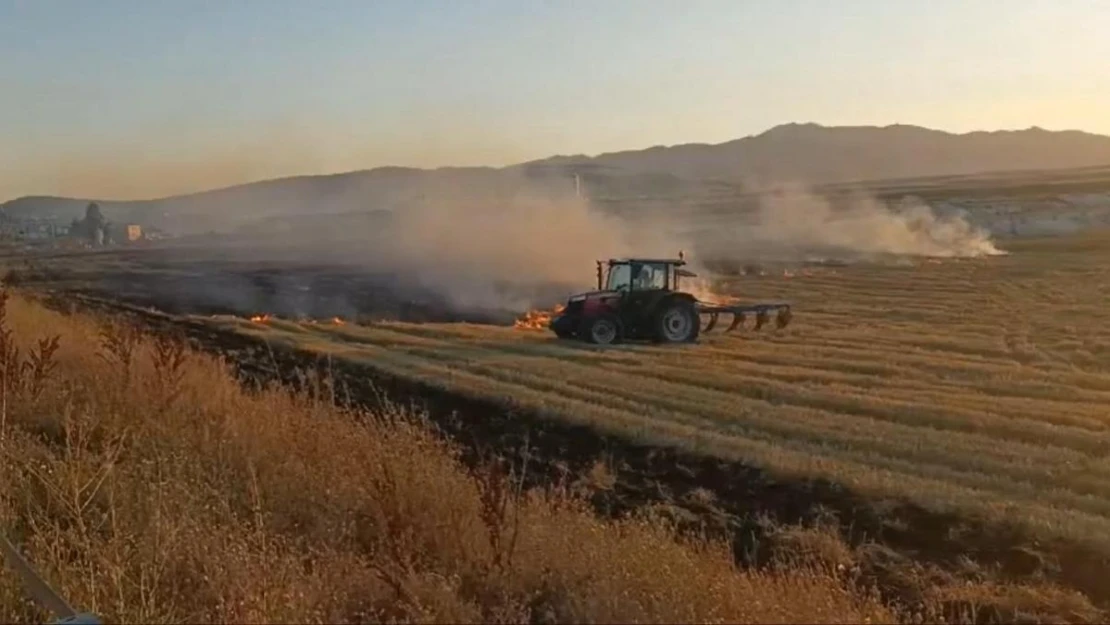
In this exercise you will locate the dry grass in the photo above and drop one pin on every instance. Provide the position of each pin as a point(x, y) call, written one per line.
point(979, 386)
point(147, 486)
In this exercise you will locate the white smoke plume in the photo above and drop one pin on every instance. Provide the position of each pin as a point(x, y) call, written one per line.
point(796, 225)
point(504, 243)
point(501, 244)
point(483, 252)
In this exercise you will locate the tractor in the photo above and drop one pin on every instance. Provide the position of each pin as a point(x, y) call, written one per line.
point(639, 299)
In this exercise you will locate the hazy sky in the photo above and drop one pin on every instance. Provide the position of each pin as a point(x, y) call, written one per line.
point(139, 98)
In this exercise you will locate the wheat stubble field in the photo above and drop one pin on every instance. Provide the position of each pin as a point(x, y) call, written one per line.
point(978, 386)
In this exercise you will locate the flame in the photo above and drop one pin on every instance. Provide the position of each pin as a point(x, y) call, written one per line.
point(334, 321)
point(537, 319)
point(261, 318)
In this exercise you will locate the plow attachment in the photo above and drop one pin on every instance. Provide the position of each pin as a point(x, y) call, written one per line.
point(761, 312)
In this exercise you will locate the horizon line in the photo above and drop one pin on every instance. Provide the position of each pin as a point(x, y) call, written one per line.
point(596, 156)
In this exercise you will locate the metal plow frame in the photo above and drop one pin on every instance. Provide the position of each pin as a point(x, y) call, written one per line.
point(762, 313)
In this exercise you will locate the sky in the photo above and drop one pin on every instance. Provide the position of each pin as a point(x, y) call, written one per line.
point(135, 99)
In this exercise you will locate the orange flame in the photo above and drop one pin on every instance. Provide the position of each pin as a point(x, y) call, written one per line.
point(537, 319)
point(337, 321)
point(261, 318)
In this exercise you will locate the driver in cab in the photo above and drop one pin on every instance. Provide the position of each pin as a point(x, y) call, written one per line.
point(645, 279)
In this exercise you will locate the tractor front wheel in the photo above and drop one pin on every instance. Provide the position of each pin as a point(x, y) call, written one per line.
point(677, 322)
point(601, 330)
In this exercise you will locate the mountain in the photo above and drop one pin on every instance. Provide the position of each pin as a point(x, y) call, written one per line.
point(815, 154)
point(809, 154)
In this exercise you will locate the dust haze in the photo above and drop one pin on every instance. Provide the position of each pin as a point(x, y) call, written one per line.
point(485, 251)
point(491, 248)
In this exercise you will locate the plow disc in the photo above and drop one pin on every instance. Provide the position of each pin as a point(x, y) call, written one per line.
point(761, 313)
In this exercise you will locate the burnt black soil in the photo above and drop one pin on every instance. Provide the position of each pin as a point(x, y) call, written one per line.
point(212, 281)
point(743, 498)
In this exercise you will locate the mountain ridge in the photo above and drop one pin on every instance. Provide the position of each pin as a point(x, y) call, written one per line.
point(805, 153)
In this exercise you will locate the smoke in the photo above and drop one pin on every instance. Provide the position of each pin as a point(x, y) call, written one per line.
point(476, 243)
point(487, 245)
point(796, 225)
point(518, 251)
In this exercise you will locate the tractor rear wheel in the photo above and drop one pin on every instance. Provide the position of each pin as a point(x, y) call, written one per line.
point(677, 322)
point(601, 330)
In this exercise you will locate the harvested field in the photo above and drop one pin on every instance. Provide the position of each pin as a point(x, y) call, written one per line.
point(962, 402)
point(978, 386)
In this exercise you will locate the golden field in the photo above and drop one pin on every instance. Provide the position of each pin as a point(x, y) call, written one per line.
point(977, 385)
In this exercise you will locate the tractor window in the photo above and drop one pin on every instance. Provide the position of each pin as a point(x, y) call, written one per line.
point(620, 278)
point(650, 276)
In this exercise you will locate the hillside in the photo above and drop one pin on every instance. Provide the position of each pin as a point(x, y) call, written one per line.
point(792, 153)
point(815, 154)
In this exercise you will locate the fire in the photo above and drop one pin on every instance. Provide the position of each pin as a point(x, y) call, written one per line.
point(261, 318)
point(334, 321)
point(537, 319)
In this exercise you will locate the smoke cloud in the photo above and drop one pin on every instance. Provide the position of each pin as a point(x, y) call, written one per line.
point(486, 246)
point(797, 225)
point(501, 250)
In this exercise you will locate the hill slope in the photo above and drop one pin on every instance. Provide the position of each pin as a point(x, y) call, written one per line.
point(791, 153)
point(816, 154)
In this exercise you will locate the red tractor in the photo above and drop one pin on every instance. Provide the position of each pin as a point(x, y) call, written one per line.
point(639, 298)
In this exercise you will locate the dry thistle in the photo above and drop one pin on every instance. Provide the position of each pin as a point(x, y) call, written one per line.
point(117, 345)
point(170, 356)
point(40, 365)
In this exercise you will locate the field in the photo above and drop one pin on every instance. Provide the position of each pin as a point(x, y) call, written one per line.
point(978, 386)
point(954, 410)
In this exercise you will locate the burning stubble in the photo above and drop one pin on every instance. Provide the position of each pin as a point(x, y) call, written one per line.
point(491, 247)
point(493, 244)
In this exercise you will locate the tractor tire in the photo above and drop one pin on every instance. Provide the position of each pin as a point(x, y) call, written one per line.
point(677, 322)
point(601, 330)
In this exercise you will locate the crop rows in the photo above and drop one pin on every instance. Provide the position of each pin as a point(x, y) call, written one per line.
point(978, 385)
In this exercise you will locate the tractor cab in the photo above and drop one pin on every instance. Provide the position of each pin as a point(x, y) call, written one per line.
point(640, 274)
